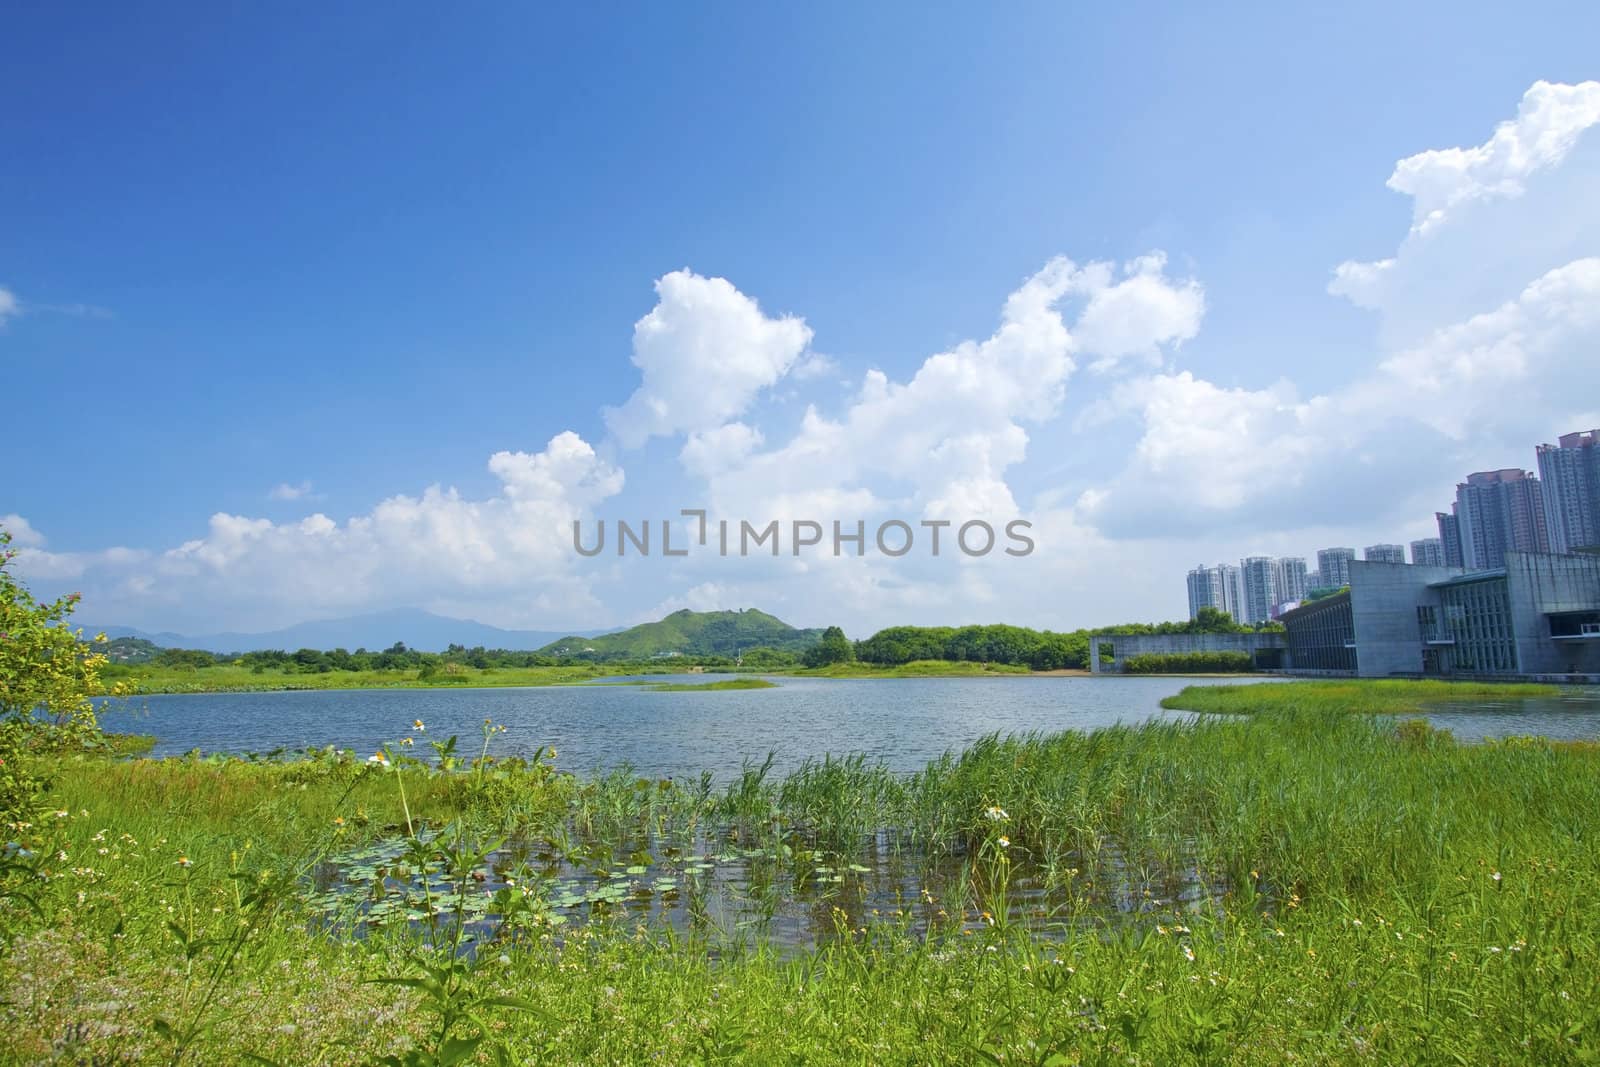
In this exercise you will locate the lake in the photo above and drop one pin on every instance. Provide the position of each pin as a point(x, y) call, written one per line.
point(904, 722)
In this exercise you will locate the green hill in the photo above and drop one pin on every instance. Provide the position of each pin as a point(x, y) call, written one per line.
point(690, 633)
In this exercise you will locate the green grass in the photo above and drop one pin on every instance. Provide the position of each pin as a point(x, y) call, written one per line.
point(720, 684)
point(1371, 895)
point(228, 678)
point(1372, 696)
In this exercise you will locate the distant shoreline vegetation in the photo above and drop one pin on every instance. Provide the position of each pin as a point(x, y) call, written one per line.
point(733, 641)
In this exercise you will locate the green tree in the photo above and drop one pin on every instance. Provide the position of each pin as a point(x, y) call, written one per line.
point(1213, 621)
point(834, 647)
point(48, 675)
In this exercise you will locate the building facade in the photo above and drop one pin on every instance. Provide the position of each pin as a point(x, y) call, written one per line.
point(1321, 637)
point(1428, 552)
point(1499, 512)
point(1450, 537)
point(1536, 617)
point(1334, 566)
point(1569, 476)
point(1384, 554)
point(1259, 575)
point(1291, 580)
point(1216, 587)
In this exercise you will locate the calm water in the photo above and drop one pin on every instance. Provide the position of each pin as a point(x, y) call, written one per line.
point(1574, 715)
point(903, 722)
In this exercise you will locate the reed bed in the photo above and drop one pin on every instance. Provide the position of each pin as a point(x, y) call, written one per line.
point(1298, 884)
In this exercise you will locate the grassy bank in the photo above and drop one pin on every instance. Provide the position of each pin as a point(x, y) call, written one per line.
point(1370, 696)
point(716, 686)
point(230, 678)
point(1298, 884)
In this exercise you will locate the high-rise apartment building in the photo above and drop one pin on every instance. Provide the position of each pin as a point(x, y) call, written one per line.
point(1384, 553)
point(1334, 566)
point(1216, 587)
point(1569, 475)
point(1498, 512)
point(1291, 580)
point(1428, 552)
point(1450, 537)
point(1260, 578)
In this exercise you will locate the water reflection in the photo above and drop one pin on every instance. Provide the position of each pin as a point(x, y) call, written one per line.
point(730, 894)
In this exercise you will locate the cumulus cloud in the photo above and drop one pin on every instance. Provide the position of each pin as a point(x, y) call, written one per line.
point(1488, 319)
point(23, 535)
point(285, 491)
point(1488, 219)
point(35, 562)
point(511, 552)
point(1135, 315)
point(711, 452)
point(704, 351)
point(940, 442)
point(1547, 125)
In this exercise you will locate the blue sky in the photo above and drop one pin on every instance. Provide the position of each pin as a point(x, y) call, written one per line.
point(248, 248)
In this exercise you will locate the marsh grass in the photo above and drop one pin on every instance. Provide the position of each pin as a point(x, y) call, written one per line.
point(1300, 883)
point(150, 678)
point(1370, 696)
point(711, 687)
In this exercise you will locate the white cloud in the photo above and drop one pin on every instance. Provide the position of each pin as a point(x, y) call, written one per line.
point(285, 491)
point(1488, 219)
point(706, 596)
point(705, 351)
point(1547, 125)
point(1139, 313)
point(36, 563)
point(940, 443)
point(23, 535)
point(711, 452)
point(511, 553)
point(10, 306)
point(814, 365)
point(1489, 319)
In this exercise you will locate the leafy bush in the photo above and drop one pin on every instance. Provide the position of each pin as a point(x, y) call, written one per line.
point(1189, 663)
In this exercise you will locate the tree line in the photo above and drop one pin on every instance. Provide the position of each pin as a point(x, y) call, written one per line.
point(1040, 650)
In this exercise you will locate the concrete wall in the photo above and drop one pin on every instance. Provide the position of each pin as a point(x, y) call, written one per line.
point(1125, 645)
point(1384, 598)
point(1538, 585)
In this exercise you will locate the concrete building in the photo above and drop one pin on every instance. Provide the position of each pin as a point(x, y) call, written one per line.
point(1498, 512)
point(1569, 476)
point(1384, 554)
point(1334, 566)
point(1260, 578)
point(1428, 552)
point(1216, 587)
point(1290, 578)
point(1321, 636)
point(1450, 537)
point(1536, 617)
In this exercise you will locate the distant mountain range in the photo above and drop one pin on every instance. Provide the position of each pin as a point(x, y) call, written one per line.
point(421, 630)
point(691, 633)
